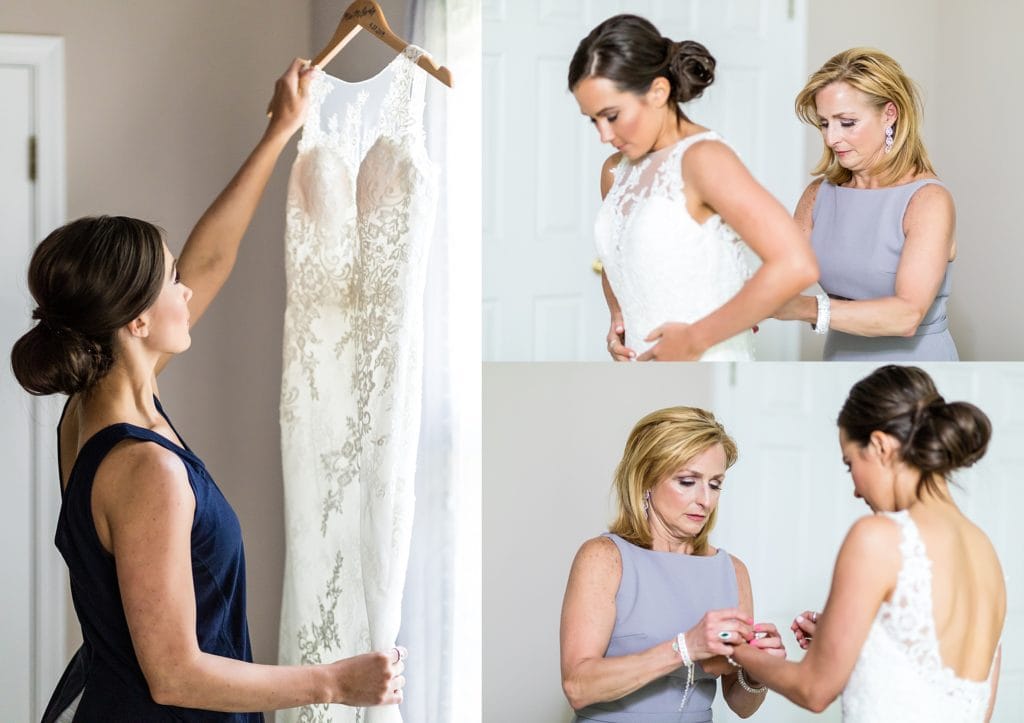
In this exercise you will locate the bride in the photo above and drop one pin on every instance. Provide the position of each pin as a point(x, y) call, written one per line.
point(911, 628)
point(674, 276)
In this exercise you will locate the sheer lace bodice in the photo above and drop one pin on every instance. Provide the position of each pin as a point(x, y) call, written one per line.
point(900, 675)
point(662, 265)
point(360, 214)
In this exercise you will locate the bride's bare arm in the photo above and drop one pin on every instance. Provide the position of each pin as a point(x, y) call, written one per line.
point(715, 176)
point(864, 576)
point(617, 330)
point(211, 249)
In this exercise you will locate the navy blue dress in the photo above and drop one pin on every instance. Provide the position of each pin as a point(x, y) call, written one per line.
point(105, 667)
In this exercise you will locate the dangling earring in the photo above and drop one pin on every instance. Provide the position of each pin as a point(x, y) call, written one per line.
point(888, 139)
point(647, 504)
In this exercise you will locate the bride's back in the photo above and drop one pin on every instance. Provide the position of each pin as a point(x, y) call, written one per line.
point(968, 589)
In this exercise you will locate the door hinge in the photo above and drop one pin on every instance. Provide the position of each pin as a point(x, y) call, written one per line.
point(32, 159)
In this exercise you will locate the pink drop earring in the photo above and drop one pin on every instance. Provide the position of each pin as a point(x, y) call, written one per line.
point(888, 139)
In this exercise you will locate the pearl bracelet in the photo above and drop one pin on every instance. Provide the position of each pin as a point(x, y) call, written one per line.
point(680, 647)
point(743, 681)
point(824, 314)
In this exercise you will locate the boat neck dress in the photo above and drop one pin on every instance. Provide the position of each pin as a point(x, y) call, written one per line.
point(660, 595)
point(857, 235)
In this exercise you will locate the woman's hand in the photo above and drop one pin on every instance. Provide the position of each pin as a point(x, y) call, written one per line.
point(676, 342)
point(770, 642)
point(371, 678)
point(287, 108)
point(804, 626)
point(799, 308)
point(717, 632)
point(617, 342)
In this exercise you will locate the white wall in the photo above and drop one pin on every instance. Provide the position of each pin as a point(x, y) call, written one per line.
point(554, 433)
point(965, 57)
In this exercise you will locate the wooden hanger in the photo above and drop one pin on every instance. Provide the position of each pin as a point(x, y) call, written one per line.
point(367, 14)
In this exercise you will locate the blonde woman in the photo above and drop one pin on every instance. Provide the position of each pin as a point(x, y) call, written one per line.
point(651, 606)
point(911, 628)
point(881, 224)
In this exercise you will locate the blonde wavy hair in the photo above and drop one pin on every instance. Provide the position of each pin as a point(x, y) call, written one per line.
point(882, 79)
point(660, 444)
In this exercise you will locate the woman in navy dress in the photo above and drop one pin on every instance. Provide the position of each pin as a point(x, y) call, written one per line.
point(154, 551)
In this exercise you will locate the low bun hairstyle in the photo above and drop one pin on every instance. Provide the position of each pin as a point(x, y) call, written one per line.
point(629, 51)
point(935, 436)
point(89, 278)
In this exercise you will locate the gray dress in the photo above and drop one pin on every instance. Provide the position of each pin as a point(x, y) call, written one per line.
point(858, 238)
point(660, 595)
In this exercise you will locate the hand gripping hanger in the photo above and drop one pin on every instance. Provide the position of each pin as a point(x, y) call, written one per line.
point(367, 14)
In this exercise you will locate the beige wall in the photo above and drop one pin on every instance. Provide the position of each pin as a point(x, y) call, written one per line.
point(552, 436)
point(966, 58)
point(164, 101)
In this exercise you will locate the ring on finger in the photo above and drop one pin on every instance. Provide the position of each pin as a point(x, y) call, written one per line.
point(724, 634)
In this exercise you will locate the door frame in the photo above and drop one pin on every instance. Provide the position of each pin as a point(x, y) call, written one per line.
point(43, 55)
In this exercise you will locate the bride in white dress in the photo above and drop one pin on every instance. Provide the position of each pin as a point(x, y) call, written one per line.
point(677, 200)
point(911, 628)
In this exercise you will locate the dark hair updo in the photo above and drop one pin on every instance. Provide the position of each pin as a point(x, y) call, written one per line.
point(935, 437)
point(89, 278)
point(629, 51)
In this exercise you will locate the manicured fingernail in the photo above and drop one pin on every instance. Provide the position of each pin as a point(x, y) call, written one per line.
point(800, 618)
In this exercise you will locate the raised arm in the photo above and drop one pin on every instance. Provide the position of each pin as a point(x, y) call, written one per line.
point(864, 576)
point(714, 175)
point(929, 225)
point(144, 508)
point(210, 251)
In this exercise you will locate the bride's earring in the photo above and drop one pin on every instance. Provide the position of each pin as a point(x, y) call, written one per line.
point(647, 504)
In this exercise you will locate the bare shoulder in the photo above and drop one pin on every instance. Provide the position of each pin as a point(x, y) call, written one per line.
point(872, 538)
point(606, 172)
point(708, 154)
point(601, 554)
point(931, 198)
point(742, 574)
point(810, 193)
point(137, 471)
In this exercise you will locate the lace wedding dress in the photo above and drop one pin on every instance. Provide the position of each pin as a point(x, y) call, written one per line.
point(662, 265)
point(360, 214)
point(899, 675)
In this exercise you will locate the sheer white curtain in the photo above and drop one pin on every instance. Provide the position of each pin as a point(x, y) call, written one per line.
point(441, 608)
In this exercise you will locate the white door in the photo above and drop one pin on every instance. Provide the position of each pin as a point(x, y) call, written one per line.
point(542, 160)
point(32, 596)
point(15, 426)
point(789, 501)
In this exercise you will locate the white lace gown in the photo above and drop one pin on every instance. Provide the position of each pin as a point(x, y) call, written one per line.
point(899, 675)
point(360, 214)
point(662, 265)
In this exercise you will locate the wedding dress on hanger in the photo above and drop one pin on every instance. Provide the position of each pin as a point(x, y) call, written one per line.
point(360, 215)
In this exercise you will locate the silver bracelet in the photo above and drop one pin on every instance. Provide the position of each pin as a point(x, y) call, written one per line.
point(743, 681)
point(824, 314)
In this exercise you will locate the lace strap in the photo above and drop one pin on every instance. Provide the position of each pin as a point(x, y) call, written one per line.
point(910, 615)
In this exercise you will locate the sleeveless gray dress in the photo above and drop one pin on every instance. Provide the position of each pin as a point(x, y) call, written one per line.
point(662, 594)
point(858, 238)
